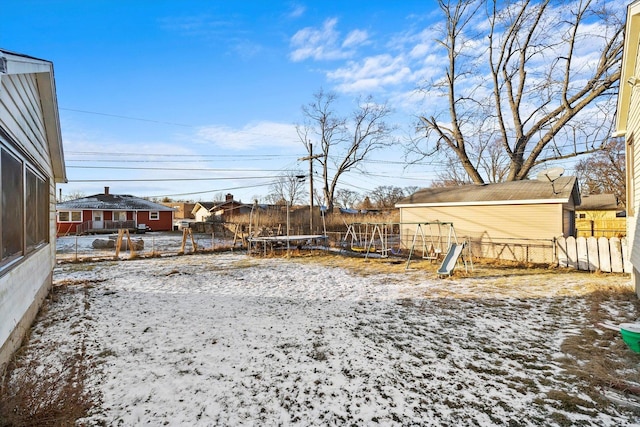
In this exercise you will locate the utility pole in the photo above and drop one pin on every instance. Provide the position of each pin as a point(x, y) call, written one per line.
point(311, 157)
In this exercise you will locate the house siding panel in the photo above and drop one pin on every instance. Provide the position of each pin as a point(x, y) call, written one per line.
point(24, 124)
point(525, 221)
point(632, 138)
point(492, 228)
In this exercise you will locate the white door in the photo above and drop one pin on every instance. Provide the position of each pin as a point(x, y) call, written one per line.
point(98, 219)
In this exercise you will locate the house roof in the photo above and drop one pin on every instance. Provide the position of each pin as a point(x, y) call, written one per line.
point(12, 63)
point(205, 205)
point(562, 190)
point(112, 202)
point(233, 203)
point(598, 202)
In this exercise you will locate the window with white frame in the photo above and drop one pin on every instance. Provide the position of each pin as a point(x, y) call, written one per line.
point(154, 215)
point(24, 204)
point(69, 216)
point(119, 216)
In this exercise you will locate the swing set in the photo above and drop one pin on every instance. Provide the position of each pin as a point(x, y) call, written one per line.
point(368, 238)
point(434, 240)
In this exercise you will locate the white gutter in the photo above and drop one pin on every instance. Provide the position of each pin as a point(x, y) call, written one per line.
point(484, 203)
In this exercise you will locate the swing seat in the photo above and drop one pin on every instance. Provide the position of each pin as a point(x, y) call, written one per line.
point(362, 248)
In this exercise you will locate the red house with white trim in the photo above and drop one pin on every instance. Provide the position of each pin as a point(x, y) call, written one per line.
point(107, 213)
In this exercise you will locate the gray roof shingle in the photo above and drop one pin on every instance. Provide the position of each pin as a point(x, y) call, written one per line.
point(562, 189)
point(598, 202)
point(109, 202)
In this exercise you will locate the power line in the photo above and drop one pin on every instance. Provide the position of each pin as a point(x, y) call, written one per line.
point(178, 169)
point(212, 191)
point(117, 116)
point(171, 179)
point(123, 153)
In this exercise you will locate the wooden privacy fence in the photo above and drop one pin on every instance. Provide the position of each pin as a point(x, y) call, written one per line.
point(612, 227)
point(590, 254)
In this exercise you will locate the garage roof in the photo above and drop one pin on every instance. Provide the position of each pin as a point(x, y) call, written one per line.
point(561, 190)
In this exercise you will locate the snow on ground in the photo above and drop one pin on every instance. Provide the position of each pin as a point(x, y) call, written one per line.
point(226, 339)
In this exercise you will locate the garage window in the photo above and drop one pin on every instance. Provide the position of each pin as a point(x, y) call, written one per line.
point(154, 216)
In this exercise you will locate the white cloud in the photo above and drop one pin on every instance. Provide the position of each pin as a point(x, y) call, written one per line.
point(372, 73)
point(259, 135)
point(324, 43)
point(355, 38)
point(297, 10)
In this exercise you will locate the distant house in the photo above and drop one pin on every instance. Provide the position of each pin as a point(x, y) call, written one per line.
point(598, 206)
point(229, 209)
point(600, 215)
point(181, 210)
point(508, 220)
point(628, 125)
point(32, 162)
point(107, 213)
point(200, 211)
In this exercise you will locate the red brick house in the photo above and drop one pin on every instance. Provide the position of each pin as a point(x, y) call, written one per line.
point(107, 213)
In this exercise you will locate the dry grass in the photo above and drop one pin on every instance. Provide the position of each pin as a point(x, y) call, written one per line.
point(599, 357)
point(42, 393)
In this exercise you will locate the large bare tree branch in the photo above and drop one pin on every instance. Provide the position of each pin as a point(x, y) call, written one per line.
point(539, 75)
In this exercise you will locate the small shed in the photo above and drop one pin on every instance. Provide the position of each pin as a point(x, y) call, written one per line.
point(32, 162)
point(516, 220)
point(107, 213)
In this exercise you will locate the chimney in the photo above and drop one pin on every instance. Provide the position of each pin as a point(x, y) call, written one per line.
point(228, 197)
point(106, 191)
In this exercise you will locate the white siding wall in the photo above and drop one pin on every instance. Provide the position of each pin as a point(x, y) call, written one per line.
point(24, 285)
point(633, 151)
point(21, 117)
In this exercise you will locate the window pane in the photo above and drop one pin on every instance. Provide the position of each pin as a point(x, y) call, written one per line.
point(32, 210)
point(43, 210)
point(63, 216)
point(12, 205)
point(76, 216)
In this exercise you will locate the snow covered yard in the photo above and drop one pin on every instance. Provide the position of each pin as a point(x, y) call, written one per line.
point(225, 339)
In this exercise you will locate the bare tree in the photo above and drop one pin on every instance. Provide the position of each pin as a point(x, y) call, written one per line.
point(604, 171)
point(343, 142)
point(71, 196)
point(386, 196)
point(346, 198)
point(289, 188)
point(523, 73)
point(410, 189)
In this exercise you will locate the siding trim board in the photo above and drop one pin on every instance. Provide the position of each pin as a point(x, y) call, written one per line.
point(499, 202)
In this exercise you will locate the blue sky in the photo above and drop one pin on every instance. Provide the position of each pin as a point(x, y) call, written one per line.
point(194, 99)
point(218, 84)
